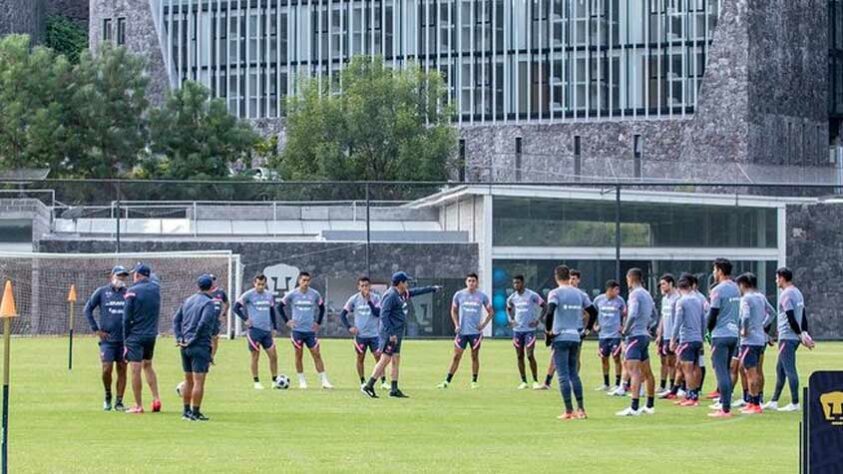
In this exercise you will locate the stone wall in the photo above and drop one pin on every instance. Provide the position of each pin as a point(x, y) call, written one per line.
point(815, 253)
point(141, 38)
point(23, 17)
point(444, 264)
point(76, 10)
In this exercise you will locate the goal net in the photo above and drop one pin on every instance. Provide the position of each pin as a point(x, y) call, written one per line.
point(41, 283)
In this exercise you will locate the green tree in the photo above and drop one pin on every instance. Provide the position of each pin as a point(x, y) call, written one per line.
point(107, 113)
point(383, 125)
point(34, 84)
point(66, 37)
point(194, 137)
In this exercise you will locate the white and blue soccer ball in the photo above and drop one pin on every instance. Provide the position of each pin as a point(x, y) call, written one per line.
point(282, 382)
point(179, 388)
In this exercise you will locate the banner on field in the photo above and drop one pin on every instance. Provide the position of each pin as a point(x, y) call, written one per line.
point(822, 424)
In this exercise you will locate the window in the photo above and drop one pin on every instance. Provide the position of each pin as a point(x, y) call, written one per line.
point(107, 34)
point(121, 31)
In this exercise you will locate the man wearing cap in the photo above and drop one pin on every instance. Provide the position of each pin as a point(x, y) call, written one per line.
point(140, 329)
point(221, 304)
point(393, 315)
point(193, 327)
point(110, 299)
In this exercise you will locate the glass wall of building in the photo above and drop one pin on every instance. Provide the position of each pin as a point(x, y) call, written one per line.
point(591, 223)
point(538, 276)
point(502, 60)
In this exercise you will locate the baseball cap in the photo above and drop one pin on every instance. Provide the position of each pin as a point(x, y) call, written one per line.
point(399, 277)
point(119, 270)
point(205, 282)
point(142, 269)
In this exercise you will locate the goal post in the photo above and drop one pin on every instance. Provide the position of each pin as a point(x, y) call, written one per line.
point(41, 283)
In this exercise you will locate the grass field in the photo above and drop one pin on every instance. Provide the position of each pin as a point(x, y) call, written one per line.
point(57, 424)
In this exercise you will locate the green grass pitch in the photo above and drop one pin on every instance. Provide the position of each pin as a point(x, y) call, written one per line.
point(57, 424)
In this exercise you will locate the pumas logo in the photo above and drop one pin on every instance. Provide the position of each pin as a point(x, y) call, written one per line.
point(282, 278)
point(832, 404)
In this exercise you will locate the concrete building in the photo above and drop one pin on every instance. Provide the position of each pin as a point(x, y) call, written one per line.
point(498, 231)
point(719, 90)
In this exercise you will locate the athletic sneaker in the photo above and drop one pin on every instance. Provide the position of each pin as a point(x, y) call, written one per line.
point(681, 393)
point(619, 392)
point(302, 384)
point(187, 416)
point(523, 385)
point(668, 396)
point(738, 403)
point(580, 414)
point(771, 405)
point(752, 409)
point(119, 406)
point(106, 404)
point(385, 385)
point(690, 403)
point(258, 386)
point(397, 394)
point(369, 392)
point(648, 410)
point(713, 395)
point(661, 393)
point(628, 411)
point(200, 417)
point(443, 384)
point(716, 406)
point(156, 406)
point(790, 407)
point(566, 416)
point(720, 414)
point(540, 386)
point(475, 385)
point(135, 410)
point(602, 388)
point(327, 385)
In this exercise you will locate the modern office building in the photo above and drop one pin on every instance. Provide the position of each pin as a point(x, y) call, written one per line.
point(543, 89)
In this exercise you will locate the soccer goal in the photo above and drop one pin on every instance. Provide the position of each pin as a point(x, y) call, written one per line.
point(42, 283)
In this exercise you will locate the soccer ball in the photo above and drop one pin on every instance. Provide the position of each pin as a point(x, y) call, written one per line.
point(281, 382)
point(179, 387)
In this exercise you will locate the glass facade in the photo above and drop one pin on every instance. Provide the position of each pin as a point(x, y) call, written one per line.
point(502, 60)
point(591, 223)
point(538, 276)
point(835, 58)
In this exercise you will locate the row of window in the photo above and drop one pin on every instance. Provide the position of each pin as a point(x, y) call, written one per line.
point(114, 34)
point(501, 60)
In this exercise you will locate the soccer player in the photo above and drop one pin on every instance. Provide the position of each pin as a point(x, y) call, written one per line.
point(304, 323)
point(525, 308)
point(611, 311)
point(365, 326)
point(467, 314)
point(256, 307)
point(695, 286)
point(641, 309)
point(563, 329)
point(576, 277)
point(723, 320)
point(193, 327)
point(393, 317)
point(110, 299)
point(753, 314)
point(792, 328)
point(221, 304)
point(686, 339)
point(140, 329)
point(667, 286)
